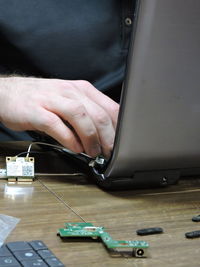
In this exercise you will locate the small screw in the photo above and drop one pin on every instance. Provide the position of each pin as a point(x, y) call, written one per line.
point(128, 21)
point(164, 180)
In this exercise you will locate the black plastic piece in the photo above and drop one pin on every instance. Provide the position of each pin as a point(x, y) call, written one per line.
point(53, 262)
point(37, 245)
point(150, 231)
point(147, 179)
point(18, 246)
point(33, 263)
point(9, 261)
point(196, 218)
point(193, 234)
point(45, 253)
point(4, 252)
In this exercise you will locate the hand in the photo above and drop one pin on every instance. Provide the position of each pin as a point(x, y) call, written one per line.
point(74, 113)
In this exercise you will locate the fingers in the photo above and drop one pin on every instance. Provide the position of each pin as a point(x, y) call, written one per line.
point(46, 105)
point(103, 124)
point(110, 106)
point(52, 125)
point(87, 89)
point(91, 123)
point(74, 113)
point(99, 108)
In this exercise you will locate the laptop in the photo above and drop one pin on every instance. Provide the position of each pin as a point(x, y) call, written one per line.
point(158, 132)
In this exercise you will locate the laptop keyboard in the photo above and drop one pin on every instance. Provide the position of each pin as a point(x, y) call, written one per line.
point(27, 254)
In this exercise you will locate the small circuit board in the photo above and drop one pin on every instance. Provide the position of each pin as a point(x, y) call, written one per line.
point(20, 169)
point(72, 230)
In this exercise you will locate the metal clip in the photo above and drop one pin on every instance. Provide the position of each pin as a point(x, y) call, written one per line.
point(98, 161)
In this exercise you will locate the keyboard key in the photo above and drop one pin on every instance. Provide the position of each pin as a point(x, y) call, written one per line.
point(19, 245)
point(4, 251)
point(26, 255)
point(9, 262)
point(34, 263)
point(37, 245)
point(45, 253)
point(54, 262)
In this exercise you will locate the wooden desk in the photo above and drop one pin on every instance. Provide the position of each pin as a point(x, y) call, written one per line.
point(121, 213)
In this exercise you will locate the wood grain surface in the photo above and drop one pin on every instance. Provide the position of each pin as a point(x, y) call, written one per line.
point(121, 213)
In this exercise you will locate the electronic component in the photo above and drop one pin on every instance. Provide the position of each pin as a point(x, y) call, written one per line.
point(138, 248)
point(193, 234)
point(27, 254)
point(150, 231)
point(20, 169)
point(196, 218)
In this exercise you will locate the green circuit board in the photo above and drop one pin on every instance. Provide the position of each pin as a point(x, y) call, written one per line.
point(89, 230)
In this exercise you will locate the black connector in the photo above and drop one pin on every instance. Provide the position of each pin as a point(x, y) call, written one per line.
point(150, 231)
point(193, 234)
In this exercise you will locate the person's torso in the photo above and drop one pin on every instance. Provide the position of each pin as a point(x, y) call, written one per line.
point(77, 39)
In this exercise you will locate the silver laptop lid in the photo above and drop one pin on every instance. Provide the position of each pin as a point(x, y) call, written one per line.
point(159, 122)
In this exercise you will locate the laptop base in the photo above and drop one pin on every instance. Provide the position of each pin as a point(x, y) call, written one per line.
point(147, 179)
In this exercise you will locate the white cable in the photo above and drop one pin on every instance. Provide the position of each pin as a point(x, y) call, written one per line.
point(56, 146)
point(47, 144)
point(60, 199)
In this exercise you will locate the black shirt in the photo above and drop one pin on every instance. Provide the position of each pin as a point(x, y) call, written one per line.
point(79, 39)
point(76, 39)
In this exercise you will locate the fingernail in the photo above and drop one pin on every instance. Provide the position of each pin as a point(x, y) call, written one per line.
point(95, 150)
point(107, 152)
